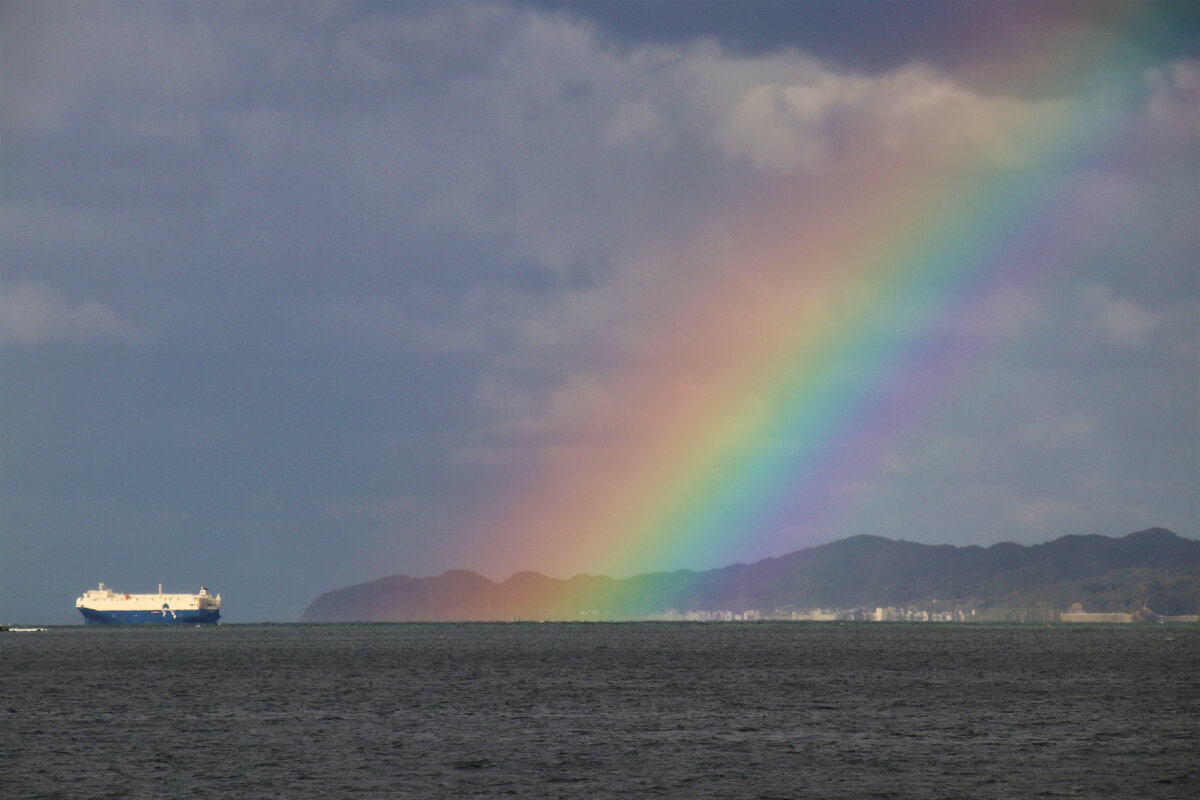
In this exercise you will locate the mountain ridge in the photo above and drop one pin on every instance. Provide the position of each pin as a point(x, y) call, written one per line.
point(1154, 568)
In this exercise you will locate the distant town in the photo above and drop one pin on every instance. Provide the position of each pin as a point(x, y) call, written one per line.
point(915, 614)
point(888, 614)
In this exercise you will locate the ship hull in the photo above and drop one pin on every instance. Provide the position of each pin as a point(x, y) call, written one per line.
point(150, 616)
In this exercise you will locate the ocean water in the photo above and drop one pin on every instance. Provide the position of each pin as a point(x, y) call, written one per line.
point(678, 710)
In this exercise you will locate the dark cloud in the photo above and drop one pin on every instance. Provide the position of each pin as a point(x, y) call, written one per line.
point(949, 35)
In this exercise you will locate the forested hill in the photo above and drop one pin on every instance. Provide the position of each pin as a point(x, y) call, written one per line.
point(1153, 568)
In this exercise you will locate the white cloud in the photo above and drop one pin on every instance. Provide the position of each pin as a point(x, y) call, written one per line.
point(637, 123)
point(1176, 94)
point(32, 313)
point(1114, 320)
point(777, 126)
point(913, 111)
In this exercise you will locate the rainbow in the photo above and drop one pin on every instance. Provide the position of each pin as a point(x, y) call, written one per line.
point(812, 336)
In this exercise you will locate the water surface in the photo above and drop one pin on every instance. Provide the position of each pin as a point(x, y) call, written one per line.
point(601, 710)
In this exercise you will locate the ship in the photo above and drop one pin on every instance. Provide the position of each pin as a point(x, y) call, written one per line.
point(103, 606)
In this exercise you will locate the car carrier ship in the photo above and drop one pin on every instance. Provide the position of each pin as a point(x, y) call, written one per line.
point(103, 606)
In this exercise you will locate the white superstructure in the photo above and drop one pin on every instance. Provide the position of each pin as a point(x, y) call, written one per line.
point(103, 605)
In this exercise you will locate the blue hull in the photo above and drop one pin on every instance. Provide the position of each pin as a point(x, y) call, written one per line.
point(150, 617)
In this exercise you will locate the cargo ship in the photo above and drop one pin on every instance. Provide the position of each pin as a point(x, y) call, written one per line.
point(103, 606)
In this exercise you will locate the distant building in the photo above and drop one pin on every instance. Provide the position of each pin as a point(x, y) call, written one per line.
point(816, 614)
point(1077, 614)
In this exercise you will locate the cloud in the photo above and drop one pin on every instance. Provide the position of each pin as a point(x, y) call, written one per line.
point(33, 313)
point(637, 123)
point(913, 111)
point(1175, 94)
point(1114, 320)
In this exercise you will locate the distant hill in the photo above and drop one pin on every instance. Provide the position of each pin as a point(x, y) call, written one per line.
point(1153, 568)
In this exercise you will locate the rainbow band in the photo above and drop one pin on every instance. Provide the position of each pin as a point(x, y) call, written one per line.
point(744, 445)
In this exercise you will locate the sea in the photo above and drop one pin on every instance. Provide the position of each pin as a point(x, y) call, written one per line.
point(599, 710)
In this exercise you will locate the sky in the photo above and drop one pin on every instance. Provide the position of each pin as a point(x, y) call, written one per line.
point(300, 295)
